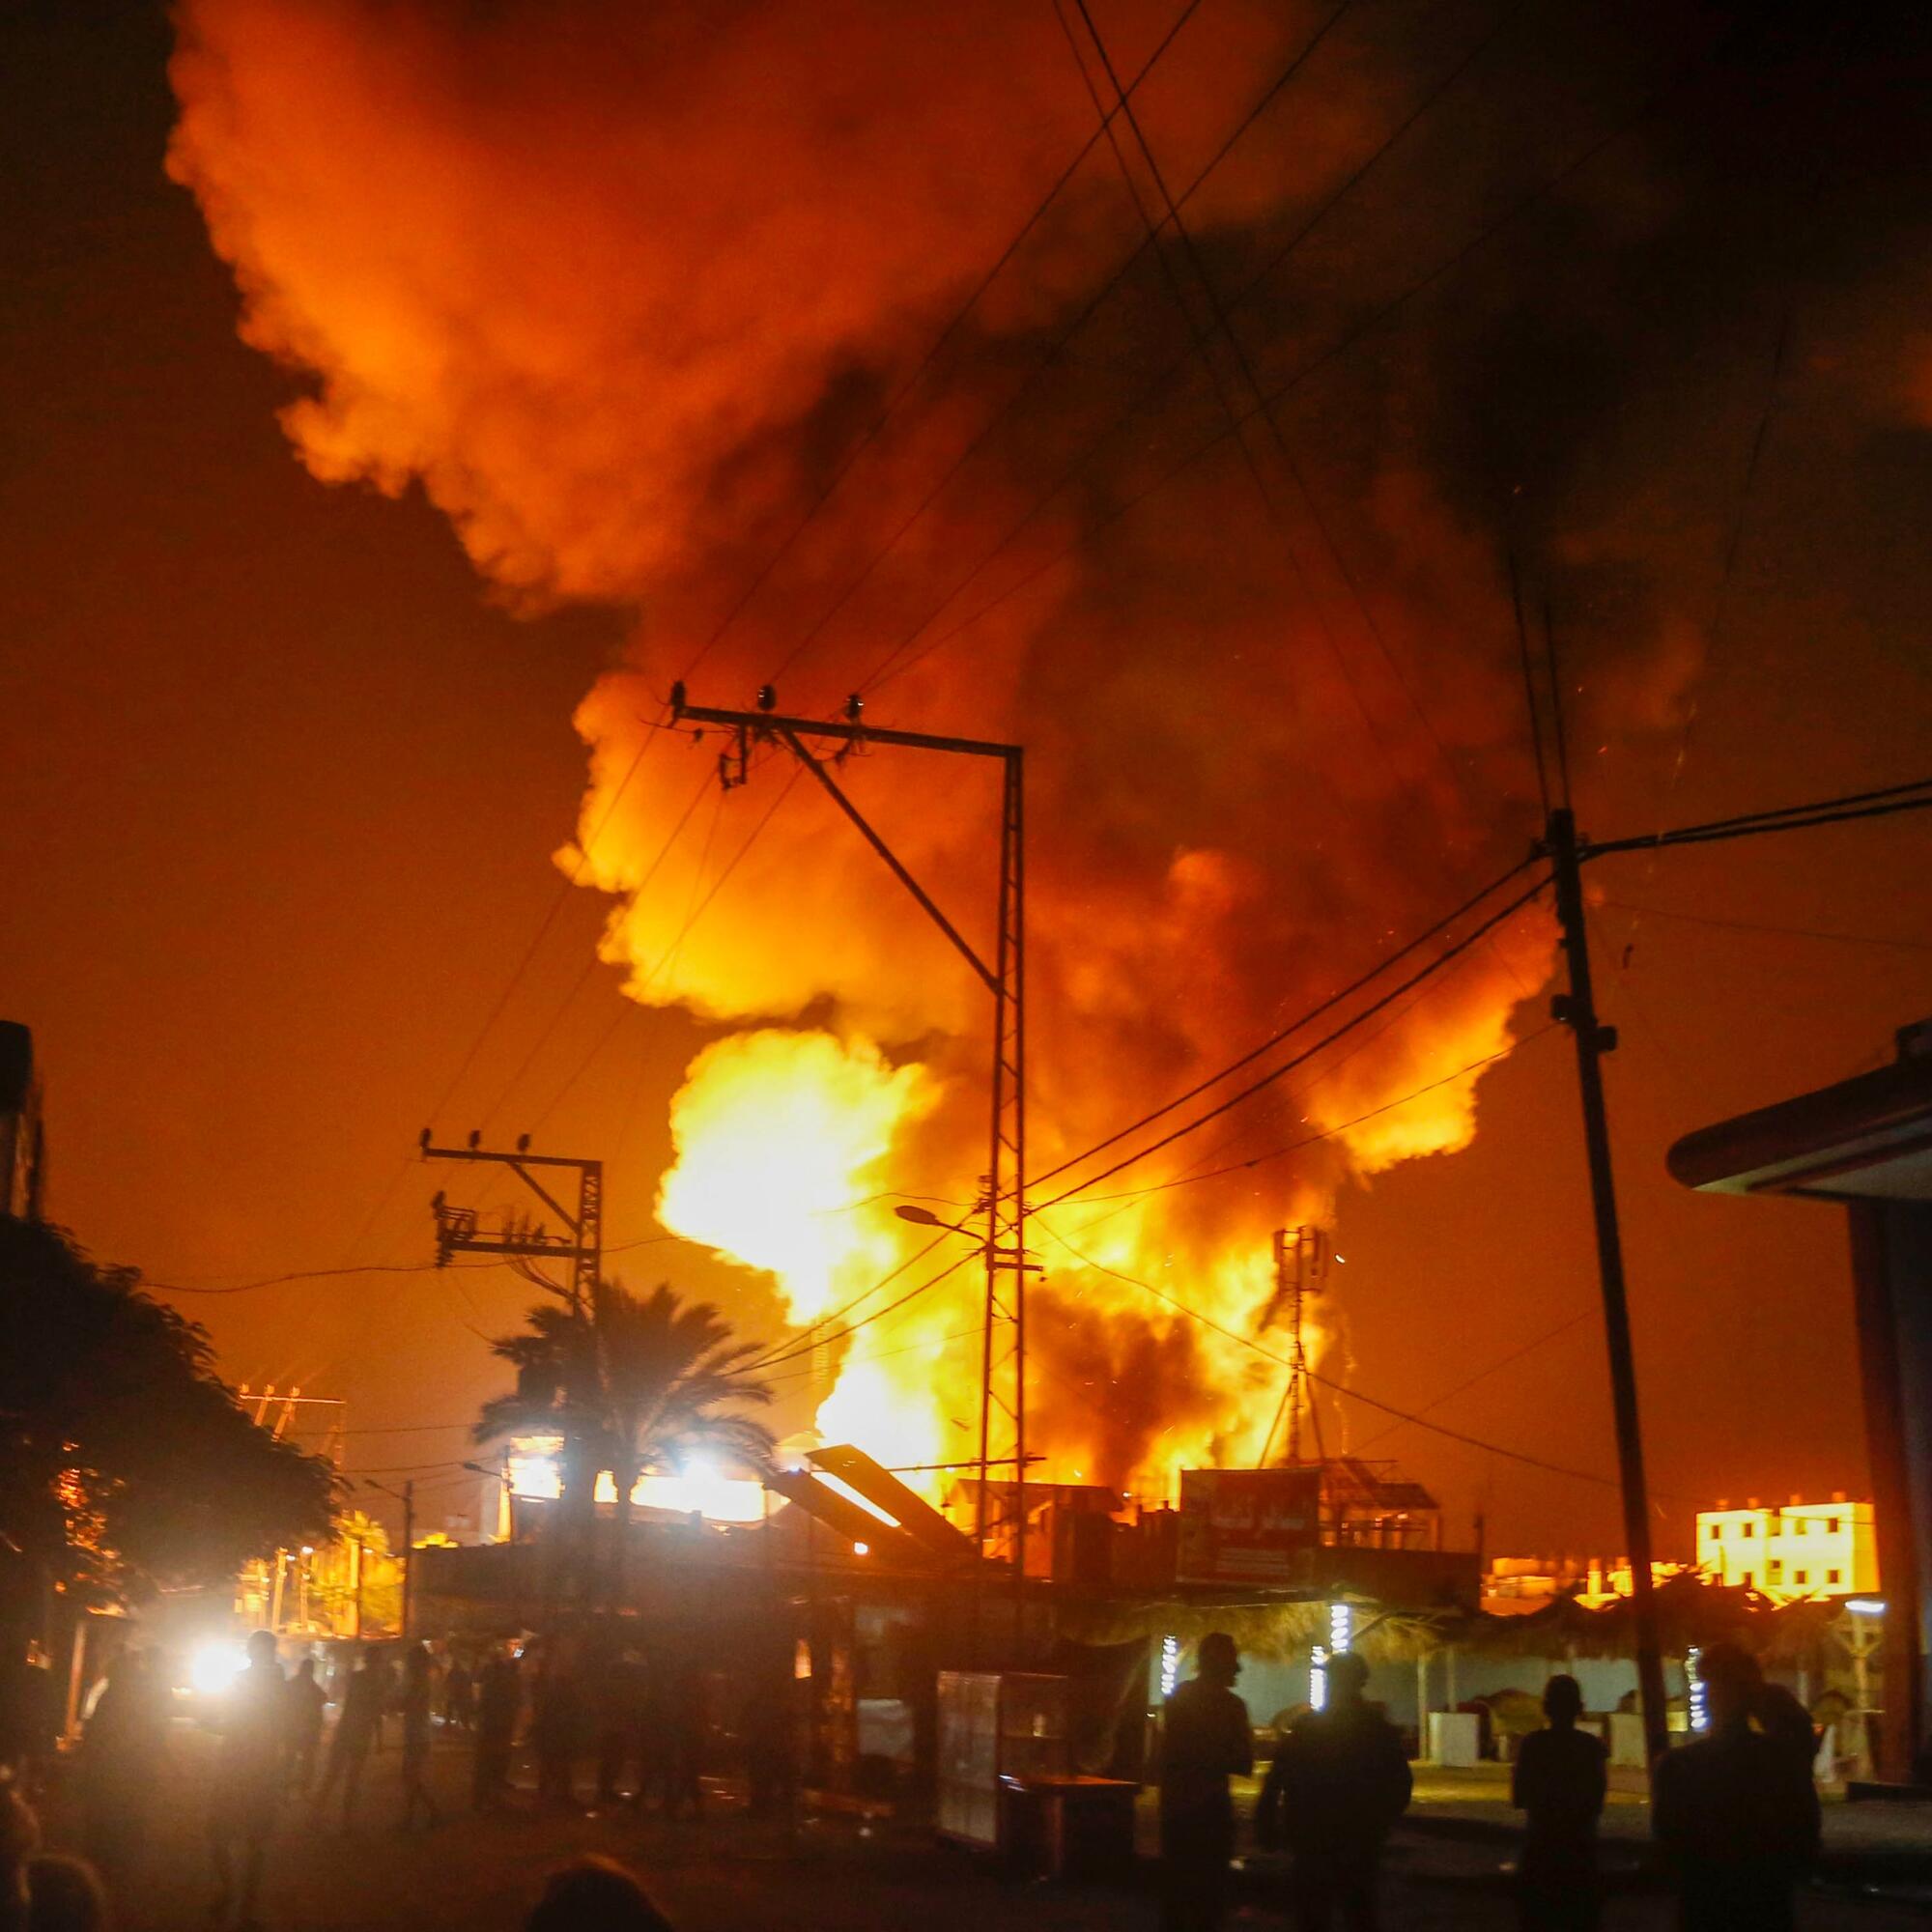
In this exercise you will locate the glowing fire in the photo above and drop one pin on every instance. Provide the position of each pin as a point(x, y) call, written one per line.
point(782, 1141)
point(1250, 773)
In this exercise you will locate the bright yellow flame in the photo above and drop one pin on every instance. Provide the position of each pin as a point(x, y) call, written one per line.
point(781, 1140)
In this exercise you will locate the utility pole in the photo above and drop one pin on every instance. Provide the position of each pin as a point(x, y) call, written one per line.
point(407, 1496)
point(408, 1551)
point(1577, 1011)
point(582, 1244)
point(1003, 1346)
point(524, 1244)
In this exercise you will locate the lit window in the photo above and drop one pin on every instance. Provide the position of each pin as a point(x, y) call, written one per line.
point(1773, 1571)
point(1835, 1575)
point(1713, 1531)
point(1804, 1576)
point(1748, 1580)
point(1747, 1529)
point(1833, 1525)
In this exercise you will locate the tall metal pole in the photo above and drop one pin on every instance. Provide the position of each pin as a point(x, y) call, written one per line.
point(408, 1551)
point(1577, 1011)
point(1005, 1204)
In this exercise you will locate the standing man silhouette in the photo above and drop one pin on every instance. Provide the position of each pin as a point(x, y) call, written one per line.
point(1204, 1741)
point(1559, 1783)
point(1737, 1812)
point(1338, 1780)
point(248, 1772)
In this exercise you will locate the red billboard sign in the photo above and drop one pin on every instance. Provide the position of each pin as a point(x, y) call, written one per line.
point(1247, 1526)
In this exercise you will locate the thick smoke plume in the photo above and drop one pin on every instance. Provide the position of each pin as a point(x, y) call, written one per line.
point(628, 292)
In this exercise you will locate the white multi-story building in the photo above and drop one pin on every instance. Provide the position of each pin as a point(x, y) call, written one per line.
point(1789, 1551)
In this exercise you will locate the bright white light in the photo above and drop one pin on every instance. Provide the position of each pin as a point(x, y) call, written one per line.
point(1700, 1712)
point(840, 1487)
point(1170, 1665)
point(1341, 1626)
point(1317, 1679)
point(1865, 1607)
point(216, 1665)
point(704, 1491)
point(861, 1549)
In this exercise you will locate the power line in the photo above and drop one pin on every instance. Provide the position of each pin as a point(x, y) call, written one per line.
point(1062, 338)
point(369, 1267)
point(809, 1336)
point(1435, 965)
point(877, 1315)
point(1325, 1133)
point(1275, 1039)
point(1497, 1367)
point(1763, 926)
point(1339, 1388)
point(633, 997)
point(1339, 346)
point(594, 960)
point(1890, 802)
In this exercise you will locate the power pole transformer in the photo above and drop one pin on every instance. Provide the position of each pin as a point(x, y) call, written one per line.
point(580, 1242)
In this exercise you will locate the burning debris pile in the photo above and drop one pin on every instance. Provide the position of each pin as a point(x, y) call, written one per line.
point(645, 300)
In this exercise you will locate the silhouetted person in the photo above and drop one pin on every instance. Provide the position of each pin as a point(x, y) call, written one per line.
point(19, 1841)
point(766, 1725)
point(120, 1765)
point(1204, 1741)
point(306, 1698)
point(1558, 1784)
point(247, 1778)
point(500, 1695)
point(593, 1895)
point(1737, 1812)
point(418, 1697)
point(684, 1738)
point(619, 1706)
point(65, 1896)
point(459, 1697)
point(553, 1724)
point(356, 1727)
point(1338, 1780)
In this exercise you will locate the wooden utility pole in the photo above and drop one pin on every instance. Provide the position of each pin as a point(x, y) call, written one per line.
point(1577, 1011)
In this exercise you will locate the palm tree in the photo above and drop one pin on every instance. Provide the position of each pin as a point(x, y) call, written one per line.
point(644, 1386)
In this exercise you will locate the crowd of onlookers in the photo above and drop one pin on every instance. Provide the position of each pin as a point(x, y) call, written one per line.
point(278, 1763)
point(1735, 1812)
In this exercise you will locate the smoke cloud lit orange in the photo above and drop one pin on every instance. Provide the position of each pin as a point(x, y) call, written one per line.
point(623, 289)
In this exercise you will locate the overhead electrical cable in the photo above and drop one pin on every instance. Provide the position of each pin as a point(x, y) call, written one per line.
point(1414, 1417)
point(1891, 800)
point(924, 365)
point(632, 1001)
point(892, 667)
point(1323, 1134)
point(1295, 1025)
point(1266, 1080)
point(911, 1293)
point(809, 1335)
point(1064, 335)
point(1764, 927)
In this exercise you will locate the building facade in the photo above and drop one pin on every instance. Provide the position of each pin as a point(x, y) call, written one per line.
point(1795, 1550)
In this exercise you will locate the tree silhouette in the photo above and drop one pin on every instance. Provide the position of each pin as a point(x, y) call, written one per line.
point(643, 1387)
point(126, 1464)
